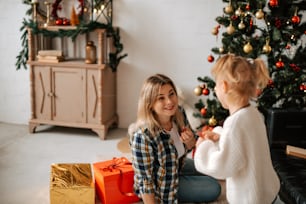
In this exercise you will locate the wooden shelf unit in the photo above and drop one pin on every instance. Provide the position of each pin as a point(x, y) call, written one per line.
point(72, 93)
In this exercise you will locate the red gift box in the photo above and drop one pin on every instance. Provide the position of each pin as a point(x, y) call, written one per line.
point(114, 181)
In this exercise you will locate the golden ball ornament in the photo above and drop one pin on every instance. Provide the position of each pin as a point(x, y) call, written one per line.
point(267, 48)
point(228, 9)
point(215, 31)
point(241, 25)
point(198, 91)
point(212, 121)
point(221, 50)
point(230, 29)
point(259, 14)
point(248, 48)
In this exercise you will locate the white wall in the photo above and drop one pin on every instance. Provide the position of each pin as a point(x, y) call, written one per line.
point(161, 36)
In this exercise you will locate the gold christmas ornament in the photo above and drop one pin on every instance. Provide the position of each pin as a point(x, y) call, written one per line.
point(221, 50)
point(212, 121)
point(198, 91)
point(248, 48)
point(230, 29)
point(241, 25)
point(259, 14)
point(215, 31)
point(267, 48)
point(228, 9)
point(239, 12)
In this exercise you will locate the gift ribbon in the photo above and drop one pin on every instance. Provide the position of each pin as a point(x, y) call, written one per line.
point(116, 164)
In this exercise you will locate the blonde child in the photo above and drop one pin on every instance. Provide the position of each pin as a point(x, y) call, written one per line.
point(239, 151)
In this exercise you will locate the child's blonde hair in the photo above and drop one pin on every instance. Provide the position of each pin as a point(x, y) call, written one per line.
point(146, 117)
point(243, 75)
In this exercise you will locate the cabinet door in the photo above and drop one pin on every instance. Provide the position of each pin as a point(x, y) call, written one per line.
point(69, 99)
point(42, 92)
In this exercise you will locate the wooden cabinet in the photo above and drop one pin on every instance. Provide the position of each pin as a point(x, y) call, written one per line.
point(72, 93)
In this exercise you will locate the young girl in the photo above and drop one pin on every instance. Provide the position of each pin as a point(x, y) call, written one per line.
point(239, 152)
point(160, 139)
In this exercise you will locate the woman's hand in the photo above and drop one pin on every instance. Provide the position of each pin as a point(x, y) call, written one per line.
point(188, 138)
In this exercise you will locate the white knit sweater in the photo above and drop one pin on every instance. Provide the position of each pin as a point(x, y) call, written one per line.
point(242, 157)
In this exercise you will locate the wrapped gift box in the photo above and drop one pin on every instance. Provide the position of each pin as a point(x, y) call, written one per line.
point(72, 184)
point(114, 181)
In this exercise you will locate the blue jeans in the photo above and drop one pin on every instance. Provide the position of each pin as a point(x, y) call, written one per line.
point(196, 187)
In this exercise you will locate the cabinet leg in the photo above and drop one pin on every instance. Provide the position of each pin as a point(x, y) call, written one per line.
point(32, 127)
point(101, 132)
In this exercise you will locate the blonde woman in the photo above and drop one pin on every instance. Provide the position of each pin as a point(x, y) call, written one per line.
point(239, 151)
point(160, 140)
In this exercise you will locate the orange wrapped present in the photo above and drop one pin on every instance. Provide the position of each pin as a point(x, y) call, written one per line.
point(72, 183)
point(114, 181)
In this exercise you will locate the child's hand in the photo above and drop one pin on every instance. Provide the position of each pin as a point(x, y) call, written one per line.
point(209, 135)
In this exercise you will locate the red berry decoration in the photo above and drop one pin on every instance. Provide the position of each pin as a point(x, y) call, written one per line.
point(210, 58)
point(280, 64)
point(205, 91)
point(295, 19)
point(203, 111)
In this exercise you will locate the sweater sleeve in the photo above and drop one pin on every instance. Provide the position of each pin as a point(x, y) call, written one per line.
point(222, 159)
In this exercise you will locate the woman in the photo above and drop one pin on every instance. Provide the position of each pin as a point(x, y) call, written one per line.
point(161, 138)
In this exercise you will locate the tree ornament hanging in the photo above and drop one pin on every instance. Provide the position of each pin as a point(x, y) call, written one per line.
point(273, 3)
point(210, 58)
point(230, 29)
point(303, 87)
point(248, 7)
point(239, 12)
point(259, 14)
point(279, 64)
point(241, 25)
point(215, 30)
point(267, 48)
point(203, 111)
point(212, 121)
point(295, 20)
point(247, 48)
point(205, 91)
point(198, 91)
point(228, 9)
point(221, 50)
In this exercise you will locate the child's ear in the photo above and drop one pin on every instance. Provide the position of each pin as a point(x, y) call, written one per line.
point(225, 86)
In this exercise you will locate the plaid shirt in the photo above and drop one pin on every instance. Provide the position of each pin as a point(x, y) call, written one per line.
point(156, 165)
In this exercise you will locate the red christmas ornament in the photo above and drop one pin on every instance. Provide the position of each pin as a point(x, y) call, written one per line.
point(279, 64)
point(205, 91)
point(273, 3)
point(248, 7)
point(203, 111)
point(270, 83)
point(288, 46)
point(210, 58)
point(295, 19)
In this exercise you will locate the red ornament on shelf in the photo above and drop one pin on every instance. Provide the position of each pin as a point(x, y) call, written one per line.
point(210, 58)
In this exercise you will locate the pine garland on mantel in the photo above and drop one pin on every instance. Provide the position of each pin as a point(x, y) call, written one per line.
point(82, 28)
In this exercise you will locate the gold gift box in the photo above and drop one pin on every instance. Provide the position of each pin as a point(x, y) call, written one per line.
point(72, 184)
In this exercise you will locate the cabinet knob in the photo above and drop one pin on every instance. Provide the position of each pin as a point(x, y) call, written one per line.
point(51, 94)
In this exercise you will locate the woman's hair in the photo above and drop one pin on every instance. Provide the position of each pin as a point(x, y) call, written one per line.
point(146, 117)
point(243, 75)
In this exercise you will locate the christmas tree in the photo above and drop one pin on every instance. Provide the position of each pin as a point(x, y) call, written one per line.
point(273, 30)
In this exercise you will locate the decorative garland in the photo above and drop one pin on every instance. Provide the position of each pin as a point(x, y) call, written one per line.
point(82, 28)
